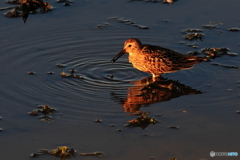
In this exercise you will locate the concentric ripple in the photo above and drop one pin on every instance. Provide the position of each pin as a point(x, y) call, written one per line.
point(90, 56)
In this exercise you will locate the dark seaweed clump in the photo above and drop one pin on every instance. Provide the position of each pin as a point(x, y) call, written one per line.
point(26, 7)
point(43, 112)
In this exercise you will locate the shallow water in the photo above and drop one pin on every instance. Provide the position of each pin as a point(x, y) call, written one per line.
point(67, 35)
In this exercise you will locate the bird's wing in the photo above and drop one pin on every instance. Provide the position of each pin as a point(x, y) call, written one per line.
point(169, 58)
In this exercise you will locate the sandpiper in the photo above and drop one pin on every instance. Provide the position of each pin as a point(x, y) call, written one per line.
point(154, 59)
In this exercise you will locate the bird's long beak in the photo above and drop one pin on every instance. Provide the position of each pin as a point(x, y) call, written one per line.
point(118, 55)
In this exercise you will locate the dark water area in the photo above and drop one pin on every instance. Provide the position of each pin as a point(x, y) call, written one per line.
point(67, 35)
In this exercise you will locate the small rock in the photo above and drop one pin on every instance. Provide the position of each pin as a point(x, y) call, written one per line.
point(209, 26)
point(60, 65)
point(67, 4)
point(98, 120)
point(173, 127)
point(160, 115)
point(50, 72)
point(110, 75)
point(234, 29)
point(183, 111)
point(33, 155)
point(31, 73)
point(143, 27)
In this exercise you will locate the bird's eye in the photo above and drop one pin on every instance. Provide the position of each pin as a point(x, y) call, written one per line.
point(129, 45)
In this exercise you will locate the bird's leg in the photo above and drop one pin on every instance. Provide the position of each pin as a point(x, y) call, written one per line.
point(155, 77)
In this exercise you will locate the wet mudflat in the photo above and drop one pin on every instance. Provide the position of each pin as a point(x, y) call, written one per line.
point(195, 110)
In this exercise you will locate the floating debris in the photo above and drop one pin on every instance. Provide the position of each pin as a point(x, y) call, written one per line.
point(34, 155)
point(67, 4)
point(192, 36)
point(143, 121)
point(97, 154)
point(105, 24)
point(50, 72)
point(226, 66)
point(63, 152)
point(31, 73)
point(183, 111)
point(0, 118)
point(119, 130)
point(40, 152)
point(121, 20)
point(63, 74)
point(175, 158)
point(6, 8)
point(112, 125)
point(173, 127)
point(110, 75)
point(217, 52)
point(210, 26)
point(34, 112)
point(13, 13)
point(238, 112)
point(182, 42)
point(1, 129)
point(72, 71)
point(143, 27)
point(45, 110)
point(60, 65)
point(232, 54)
point(235, 29)
point(191, 30)
point(26, 7)
point(44, 151)
point(169, 1)
point(98, 120)
point(160, 115)
point(193, 45)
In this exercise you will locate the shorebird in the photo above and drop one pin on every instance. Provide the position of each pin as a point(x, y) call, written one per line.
point(154, 59)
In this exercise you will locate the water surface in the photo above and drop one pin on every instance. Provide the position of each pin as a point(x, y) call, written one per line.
point(67, 35)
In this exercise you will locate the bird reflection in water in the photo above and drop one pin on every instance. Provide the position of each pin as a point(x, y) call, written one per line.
point(148, 91)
